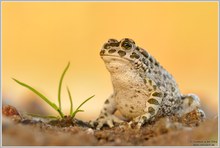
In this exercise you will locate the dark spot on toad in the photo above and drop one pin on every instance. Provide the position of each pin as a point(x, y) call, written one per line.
point(173, 89)
point(151, 110)
point(145, 53)
point(151, 66)
point(135, 96)
point(146, 63)
point(107, 102)
point(164, 76)
point(155, 87)
point(151, 60)
point(137, 48)
point(101, 117)
point(106, 46)
point(102, 52)
point(159, 72)
point(112, 41)
point(121, 53)
point(165, 94)
point(150, 82)
point(158, 84)
point(156, 63)
point(171, 100)
point(134, 55)
point(113, 44)
point(153, 101)
point(111, 51)
point(174, 108)
point(167, 106)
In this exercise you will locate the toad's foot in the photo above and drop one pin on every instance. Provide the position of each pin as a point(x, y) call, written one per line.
point(191, 102)
point(139, 121)
point(107, 119)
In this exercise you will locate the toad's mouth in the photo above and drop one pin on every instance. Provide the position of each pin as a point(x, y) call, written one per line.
point(115, 57)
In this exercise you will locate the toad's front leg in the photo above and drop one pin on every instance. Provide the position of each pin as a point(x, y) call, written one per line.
point(107, 114)
point(152, 107)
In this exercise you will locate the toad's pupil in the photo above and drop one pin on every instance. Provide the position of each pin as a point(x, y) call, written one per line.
point(126, 45)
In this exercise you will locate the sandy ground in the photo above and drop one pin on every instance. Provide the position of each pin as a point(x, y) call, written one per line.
point(22, 131)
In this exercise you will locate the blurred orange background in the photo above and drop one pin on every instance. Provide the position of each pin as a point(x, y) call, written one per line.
point(39, 38)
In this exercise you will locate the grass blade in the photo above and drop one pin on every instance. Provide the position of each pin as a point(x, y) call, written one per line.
point(71, 102)
point(78, 108)
point(41, 116)
point(60, 85)
point(76, 113)
point(40, 95)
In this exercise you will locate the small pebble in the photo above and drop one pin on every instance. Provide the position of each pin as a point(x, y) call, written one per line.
point(9, 110)
point(90, 131)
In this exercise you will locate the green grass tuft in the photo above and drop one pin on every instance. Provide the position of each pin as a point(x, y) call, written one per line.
point(53, 105)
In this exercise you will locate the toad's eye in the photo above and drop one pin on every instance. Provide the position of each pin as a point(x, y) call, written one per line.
point(126, 45)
